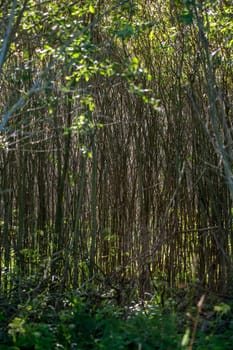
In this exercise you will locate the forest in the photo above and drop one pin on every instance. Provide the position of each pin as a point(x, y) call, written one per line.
point(116, 174)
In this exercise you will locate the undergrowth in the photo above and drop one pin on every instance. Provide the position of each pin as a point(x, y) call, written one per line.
point(83, 324)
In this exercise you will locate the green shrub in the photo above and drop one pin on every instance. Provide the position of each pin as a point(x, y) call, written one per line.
point(84, 325)
point(31, 336)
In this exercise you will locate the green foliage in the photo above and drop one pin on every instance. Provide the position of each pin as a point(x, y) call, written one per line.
point(77, 324)
point(37, 336)
point(84, 323)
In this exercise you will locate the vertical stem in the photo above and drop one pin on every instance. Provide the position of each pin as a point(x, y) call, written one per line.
point(6, 42)
point(21, 207)
point(93, 205)
point(211, 91)
point(77, 218)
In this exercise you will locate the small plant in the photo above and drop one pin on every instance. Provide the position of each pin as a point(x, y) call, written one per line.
point(31, 336)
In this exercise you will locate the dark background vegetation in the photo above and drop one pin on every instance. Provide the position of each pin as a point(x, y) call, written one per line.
point(115, 168)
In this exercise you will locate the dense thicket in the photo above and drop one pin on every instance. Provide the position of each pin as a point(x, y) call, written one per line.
point(116, 146)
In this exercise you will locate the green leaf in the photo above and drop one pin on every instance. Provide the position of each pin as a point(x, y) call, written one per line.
point(91, 9)
point(186, 18)
point(126, 31)
point(185, 340)
point(222, 308)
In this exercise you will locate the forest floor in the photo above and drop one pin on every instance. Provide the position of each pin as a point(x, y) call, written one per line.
point(90, 322)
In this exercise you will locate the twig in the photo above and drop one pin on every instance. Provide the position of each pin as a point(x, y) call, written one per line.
point(199, 307)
